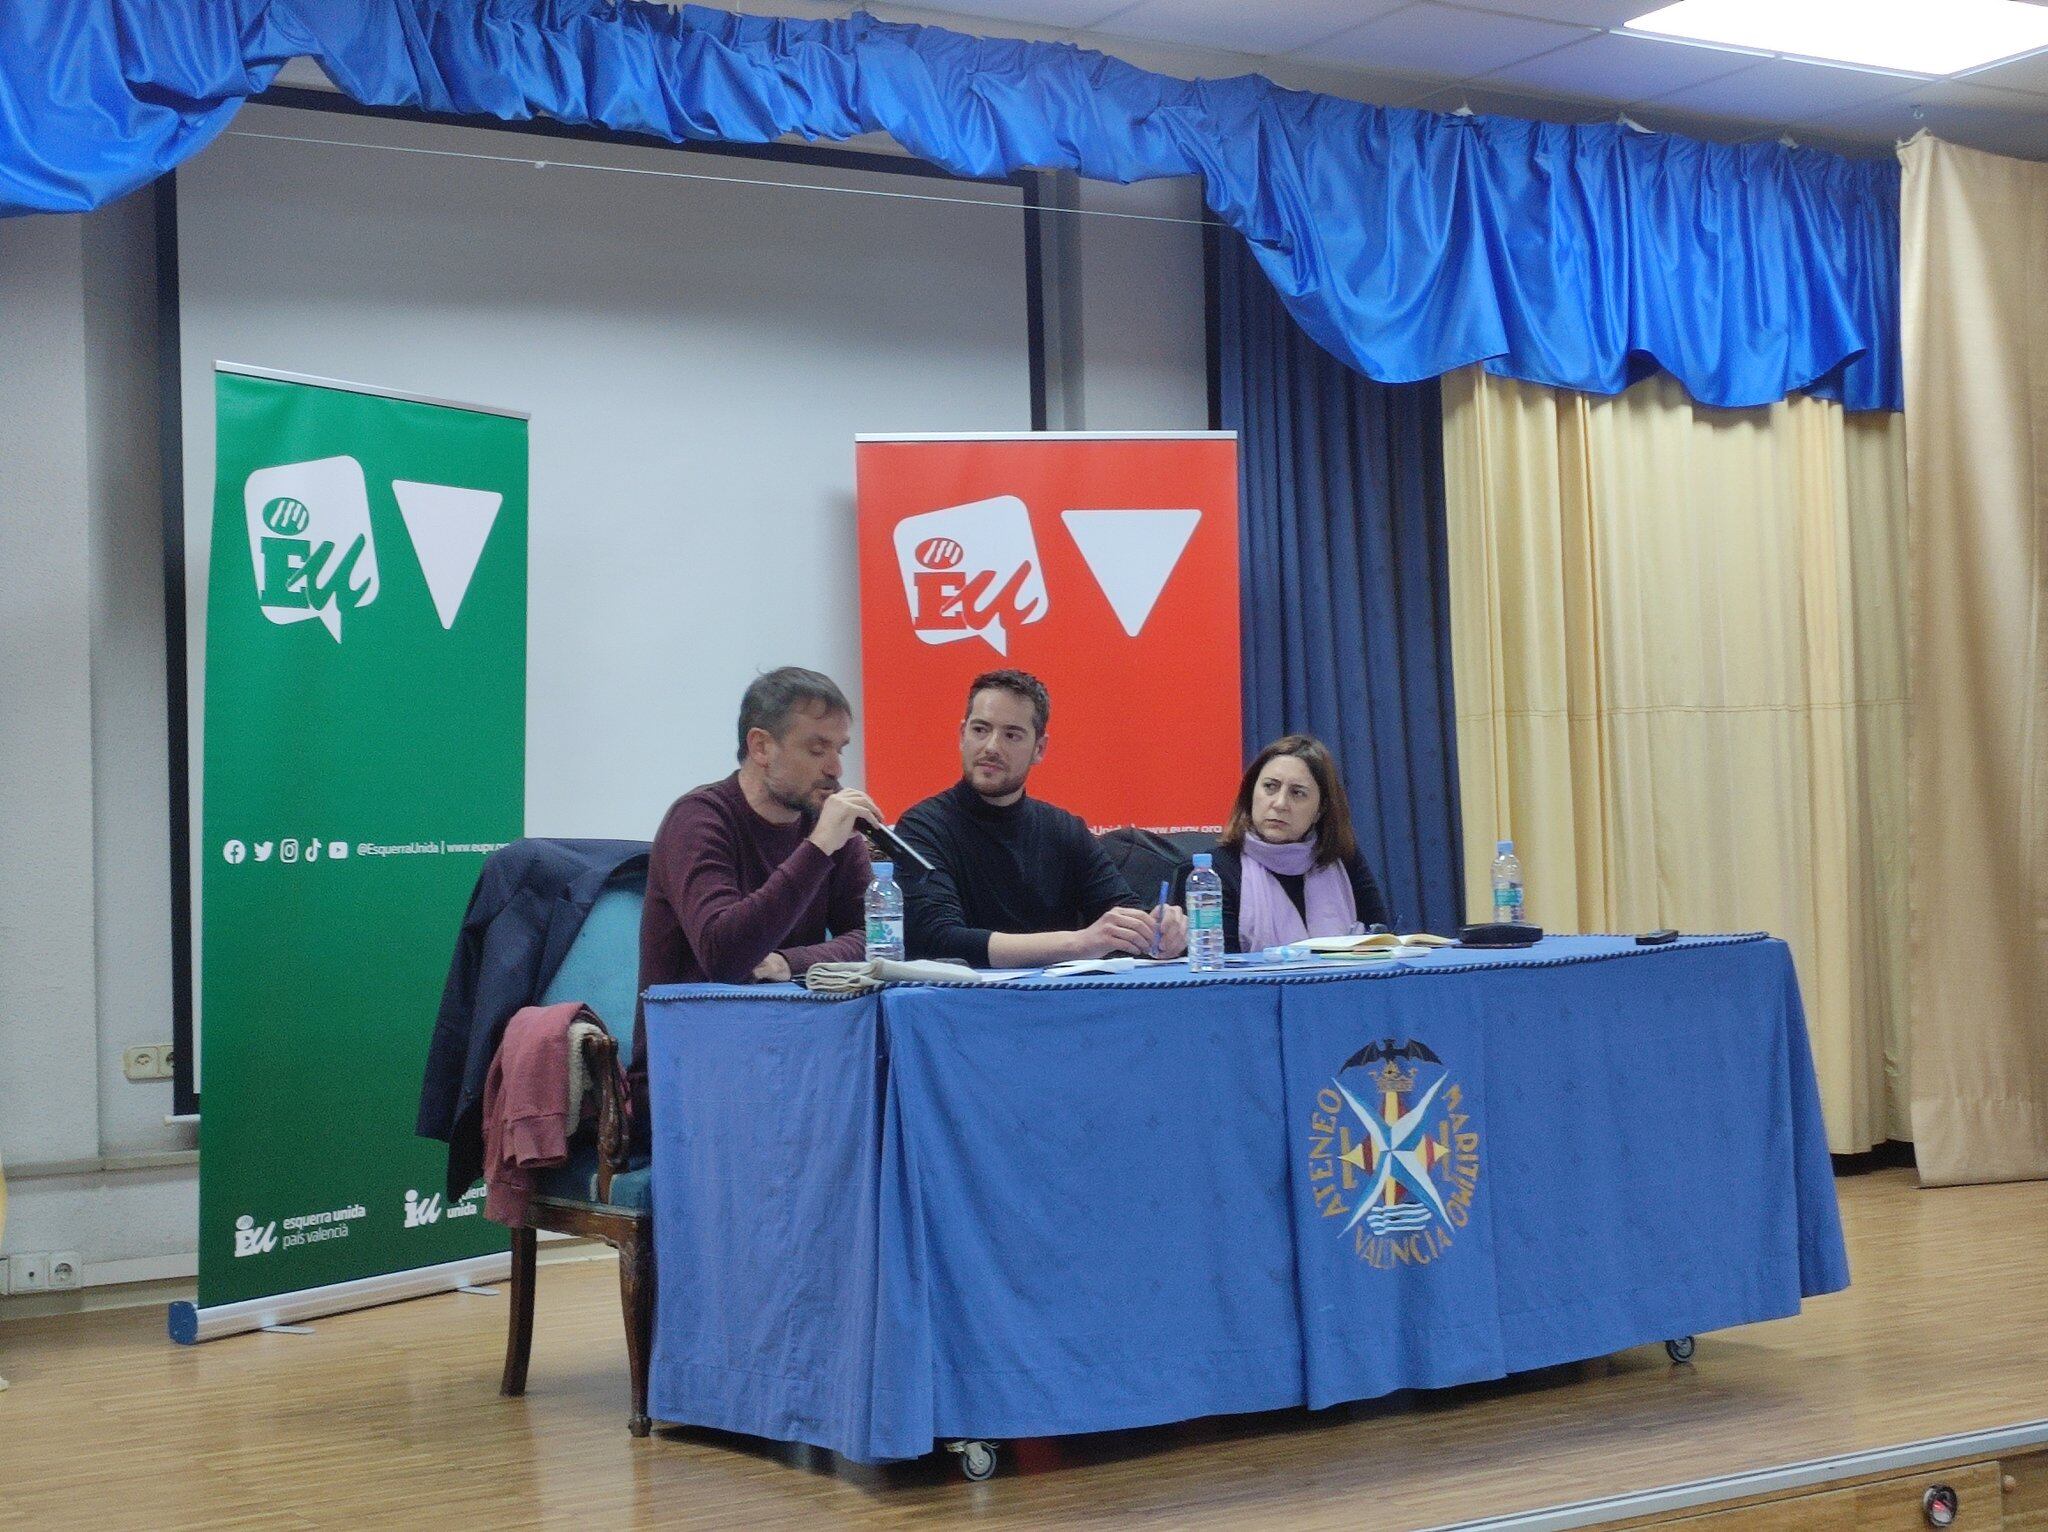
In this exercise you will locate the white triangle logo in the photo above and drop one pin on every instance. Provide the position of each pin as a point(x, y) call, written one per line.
point(1132, 555)
point(449, 527)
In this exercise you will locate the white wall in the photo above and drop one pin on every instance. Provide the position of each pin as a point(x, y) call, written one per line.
point(84, 912)
point(48, 997)
point(696, 355)
point(1144, 353)
point(84, 840)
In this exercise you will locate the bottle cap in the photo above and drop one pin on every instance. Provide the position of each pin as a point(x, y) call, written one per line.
point(885, 869)
point(1203, 859)
point(1505, 848)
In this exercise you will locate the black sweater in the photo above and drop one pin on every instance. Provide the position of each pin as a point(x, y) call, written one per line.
point(1023, 868)
point(1229, 864)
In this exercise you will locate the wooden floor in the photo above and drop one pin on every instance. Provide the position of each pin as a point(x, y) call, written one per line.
point(390, 1417)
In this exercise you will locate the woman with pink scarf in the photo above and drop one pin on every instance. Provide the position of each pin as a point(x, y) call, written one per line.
point(1289, 864)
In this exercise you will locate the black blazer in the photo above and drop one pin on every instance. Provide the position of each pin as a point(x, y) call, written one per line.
point(1229, 865)
point(530, 901)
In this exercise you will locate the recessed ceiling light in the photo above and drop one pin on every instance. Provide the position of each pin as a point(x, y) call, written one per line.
point(1924, 37)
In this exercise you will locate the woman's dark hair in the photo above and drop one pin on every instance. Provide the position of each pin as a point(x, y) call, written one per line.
point(1335, 841)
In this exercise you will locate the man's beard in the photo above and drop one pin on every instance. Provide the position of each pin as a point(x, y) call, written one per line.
point(800, 802)
point(1003, 789)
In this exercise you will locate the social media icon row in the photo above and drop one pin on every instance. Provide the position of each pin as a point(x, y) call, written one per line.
point(236, 852)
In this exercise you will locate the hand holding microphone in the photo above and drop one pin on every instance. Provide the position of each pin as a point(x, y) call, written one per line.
point(850, 809)
point(839, 816)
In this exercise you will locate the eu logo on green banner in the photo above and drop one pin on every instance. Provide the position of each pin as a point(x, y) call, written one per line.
point(365, 740)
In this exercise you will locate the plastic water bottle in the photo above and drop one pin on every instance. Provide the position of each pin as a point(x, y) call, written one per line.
point(1205, 916)
point(1507, 885)
point(885, 915)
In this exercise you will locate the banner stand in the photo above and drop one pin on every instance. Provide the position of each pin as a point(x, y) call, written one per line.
point(1103, 562)
point(190, 1324)
point(365, 718)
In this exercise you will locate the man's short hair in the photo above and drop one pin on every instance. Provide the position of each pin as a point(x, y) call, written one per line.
point(1020, 684)
point(774, 698)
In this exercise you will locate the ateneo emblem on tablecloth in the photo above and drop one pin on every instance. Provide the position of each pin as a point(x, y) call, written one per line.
point(1393, 1154)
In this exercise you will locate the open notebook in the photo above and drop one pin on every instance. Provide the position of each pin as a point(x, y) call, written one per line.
point(1375, 944)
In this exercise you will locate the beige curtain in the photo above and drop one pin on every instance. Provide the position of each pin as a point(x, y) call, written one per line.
point(1974, 270)
point(1678, 651)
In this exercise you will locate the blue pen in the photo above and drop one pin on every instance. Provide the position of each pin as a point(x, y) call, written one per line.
point(1165, 893)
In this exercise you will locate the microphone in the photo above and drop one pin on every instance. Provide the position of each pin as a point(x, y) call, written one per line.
point(894, 844)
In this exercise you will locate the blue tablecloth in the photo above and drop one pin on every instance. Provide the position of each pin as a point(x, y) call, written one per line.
point(1063, 1206)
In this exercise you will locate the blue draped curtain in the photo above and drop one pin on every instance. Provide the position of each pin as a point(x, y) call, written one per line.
point(1406, 243)
point(1346, 584)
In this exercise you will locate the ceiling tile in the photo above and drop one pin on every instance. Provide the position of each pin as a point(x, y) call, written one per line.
point(1243, 28)
point(1508, 103)
point(2023, 138)
point(1978, 116)
point(1974, 94)
point(1585, 13)
point(1982, 117)
point(1880, 121)
point(1534, 52)
point(1612, 66)
point(2027, 73)
point(1439, 39)
point(1780, 90)
point(1375, 86)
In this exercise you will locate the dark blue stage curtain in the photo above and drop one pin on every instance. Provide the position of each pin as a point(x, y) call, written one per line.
point(1346, 584)
point(1407, 243)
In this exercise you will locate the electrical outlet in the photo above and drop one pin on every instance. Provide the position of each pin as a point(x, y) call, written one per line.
point(151, 1061)
point(28, 1273)
point(66, 1271)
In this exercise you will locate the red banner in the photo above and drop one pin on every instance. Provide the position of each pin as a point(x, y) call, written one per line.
point(1104, 565)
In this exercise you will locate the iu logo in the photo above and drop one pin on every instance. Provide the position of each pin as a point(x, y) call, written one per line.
point(310, 541)
point(315, 554)
point(422, 1210)
point(971, 571)
point(250, 1240)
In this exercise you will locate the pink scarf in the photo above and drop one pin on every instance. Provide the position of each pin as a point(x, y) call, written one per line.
point(1266, 917)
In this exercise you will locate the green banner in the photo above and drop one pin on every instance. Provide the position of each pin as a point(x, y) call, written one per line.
point(365, 747)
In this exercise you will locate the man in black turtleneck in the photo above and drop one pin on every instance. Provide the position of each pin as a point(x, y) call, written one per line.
point(1018, 883)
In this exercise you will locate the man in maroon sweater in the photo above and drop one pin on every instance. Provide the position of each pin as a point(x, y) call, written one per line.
point(758, 876)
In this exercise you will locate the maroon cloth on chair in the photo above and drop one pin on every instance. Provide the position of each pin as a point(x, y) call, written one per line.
point(526, 1106)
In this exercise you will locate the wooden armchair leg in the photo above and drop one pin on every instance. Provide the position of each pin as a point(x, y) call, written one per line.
point(519, 1330)
point(636, 1296)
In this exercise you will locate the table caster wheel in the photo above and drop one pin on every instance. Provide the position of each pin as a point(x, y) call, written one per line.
point(1679, 1350)
point(977, 1459)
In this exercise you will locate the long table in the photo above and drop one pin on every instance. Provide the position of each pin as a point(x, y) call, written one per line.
point(1045, 1207)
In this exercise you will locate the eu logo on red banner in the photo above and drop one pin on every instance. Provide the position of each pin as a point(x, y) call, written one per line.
point(971, 571)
